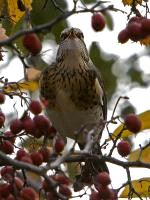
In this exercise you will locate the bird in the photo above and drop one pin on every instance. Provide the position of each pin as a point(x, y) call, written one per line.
point(74, 88)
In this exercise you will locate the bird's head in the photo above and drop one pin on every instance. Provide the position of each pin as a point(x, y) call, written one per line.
point(72, 44)
point(71, 33)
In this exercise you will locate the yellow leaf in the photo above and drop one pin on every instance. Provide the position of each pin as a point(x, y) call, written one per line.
point(14, 12)
point(141, 186)
point(140, 154)
point(27, 85)
point(130, 2)
point(145, 119)
point(145, 41)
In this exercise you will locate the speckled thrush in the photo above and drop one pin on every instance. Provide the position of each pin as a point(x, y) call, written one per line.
point(73, 87)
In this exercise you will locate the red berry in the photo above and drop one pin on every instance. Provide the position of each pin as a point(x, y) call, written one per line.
point(35, 107)
point(135, 32)
point(45, 186)
point(38, 133)
point(133, 123)
point(29, 126)
point(124, 148)
point(136, 19)
point(94, 196)
point(42, 122)
point(28, 193)
point(37, 158)
point(2, 120)
point(2, 98)
point(7, 173)
point(10, 136)
point(98, 22)
point(105, 192)
point(17, 183)
point(26, 159)
point(103, 178)
point(64, 190)
point(51, 132)
point(62, 179)
point(16, 126)
point(59, 144)
point(7, 147)
point(45, 153)
point(123, 36)
point(146, 25)
point(32, 43)
point(11, 197)
point(21, 153)
point(2, 115)
point(5, 190)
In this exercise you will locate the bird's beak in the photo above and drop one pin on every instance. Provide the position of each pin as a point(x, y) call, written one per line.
point(72, 34)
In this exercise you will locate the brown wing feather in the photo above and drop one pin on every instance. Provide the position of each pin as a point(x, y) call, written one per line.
point(47, 85)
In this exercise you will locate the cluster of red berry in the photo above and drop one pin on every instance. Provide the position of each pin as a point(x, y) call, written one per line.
point(63, 183)
point(137, 29)
point(132, 123)
point(13, 183)
point(101, 183)
point(37, 126)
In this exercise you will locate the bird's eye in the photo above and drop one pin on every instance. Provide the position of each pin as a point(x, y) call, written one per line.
point(80, 35)
point(63, 36)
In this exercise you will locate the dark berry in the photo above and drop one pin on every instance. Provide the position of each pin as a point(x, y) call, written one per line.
point(7, 147)
point(103, 178)
point(124, 148)
point(42, 122)
point(2, 98)
point(59, 144)
point(123, 36)
point(32, 43)
point(16, 126)
point(133, 123)
point(37, 158)
point(98, 22)
point(35, 107)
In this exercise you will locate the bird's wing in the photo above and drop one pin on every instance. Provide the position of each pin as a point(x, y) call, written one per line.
point(100, 84)
point(47, 85)
point(104, 99)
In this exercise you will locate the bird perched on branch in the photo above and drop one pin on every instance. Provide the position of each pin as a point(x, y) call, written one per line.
point(74, 88)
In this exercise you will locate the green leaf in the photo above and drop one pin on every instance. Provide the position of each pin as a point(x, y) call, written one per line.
point(109, 20)
point(40, 15)
point(136, 76)
point(48, 13)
